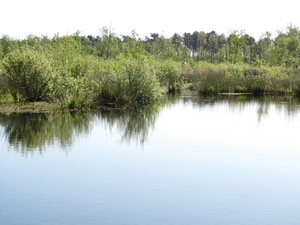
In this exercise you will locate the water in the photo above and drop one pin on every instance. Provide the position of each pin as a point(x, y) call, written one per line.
point(191, 160)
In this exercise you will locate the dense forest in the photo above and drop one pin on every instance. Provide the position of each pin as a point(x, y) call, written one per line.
point(76, 70)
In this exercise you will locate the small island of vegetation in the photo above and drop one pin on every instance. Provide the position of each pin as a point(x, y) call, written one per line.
point(81, 72)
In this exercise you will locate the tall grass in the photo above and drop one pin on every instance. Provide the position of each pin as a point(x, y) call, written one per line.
point(233, 78)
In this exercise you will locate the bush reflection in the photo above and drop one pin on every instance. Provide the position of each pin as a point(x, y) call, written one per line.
point(32, 132)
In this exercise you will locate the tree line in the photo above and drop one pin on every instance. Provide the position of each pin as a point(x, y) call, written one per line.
point(237, 47)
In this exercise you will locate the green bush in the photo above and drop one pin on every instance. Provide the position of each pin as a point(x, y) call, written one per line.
point(27, 74)
point(72, 93)
point(72, 77)
point(168, 73)
point(129, 80)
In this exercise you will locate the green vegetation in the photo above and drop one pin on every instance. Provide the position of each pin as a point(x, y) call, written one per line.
point(129, 81)
point(79, 72)
point(27, 74)
point(243, 78)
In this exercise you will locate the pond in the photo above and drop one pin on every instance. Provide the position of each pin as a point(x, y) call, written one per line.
point(189, 160)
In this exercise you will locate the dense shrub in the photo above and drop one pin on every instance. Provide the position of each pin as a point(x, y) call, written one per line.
point(72, 88)
point(129, 81)
point(27, 74)
point(168, 73)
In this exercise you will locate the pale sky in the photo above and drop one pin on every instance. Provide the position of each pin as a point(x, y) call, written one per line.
point(19, 18)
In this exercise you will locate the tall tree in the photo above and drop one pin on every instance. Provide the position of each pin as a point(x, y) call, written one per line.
point(187, 40)
point(264, 44)
point(177, 42)
point(236, 41)
point(202, 37)
point(195, 43)
point(286, 50)
point(212, 45)
point(132, 46)
point(109, 45)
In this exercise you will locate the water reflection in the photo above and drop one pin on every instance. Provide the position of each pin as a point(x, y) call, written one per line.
point(31, 132)
point(207, 161)
point(28, 132)
point(134, 124)
point(287, 104)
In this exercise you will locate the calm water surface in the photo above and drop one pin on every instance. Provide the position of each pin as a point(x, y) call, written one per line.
point(191, 160)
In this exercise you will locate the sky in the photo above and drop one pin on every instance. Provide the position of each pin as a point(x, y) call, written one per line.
point(20, 18)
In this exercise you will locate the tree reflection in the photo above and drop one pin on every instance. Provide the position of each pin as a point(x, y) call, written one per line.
point(28, 132)
point(134, 123)
point(32, 132)
point(287, 104)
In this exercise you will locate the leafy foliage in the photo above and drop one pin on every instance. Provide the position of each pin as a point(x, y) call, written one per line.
point(28, 74)
point(129, 81)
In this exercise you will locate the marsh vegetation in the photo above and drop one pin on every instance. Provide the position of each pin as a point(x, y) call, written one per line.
point(79, 72)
